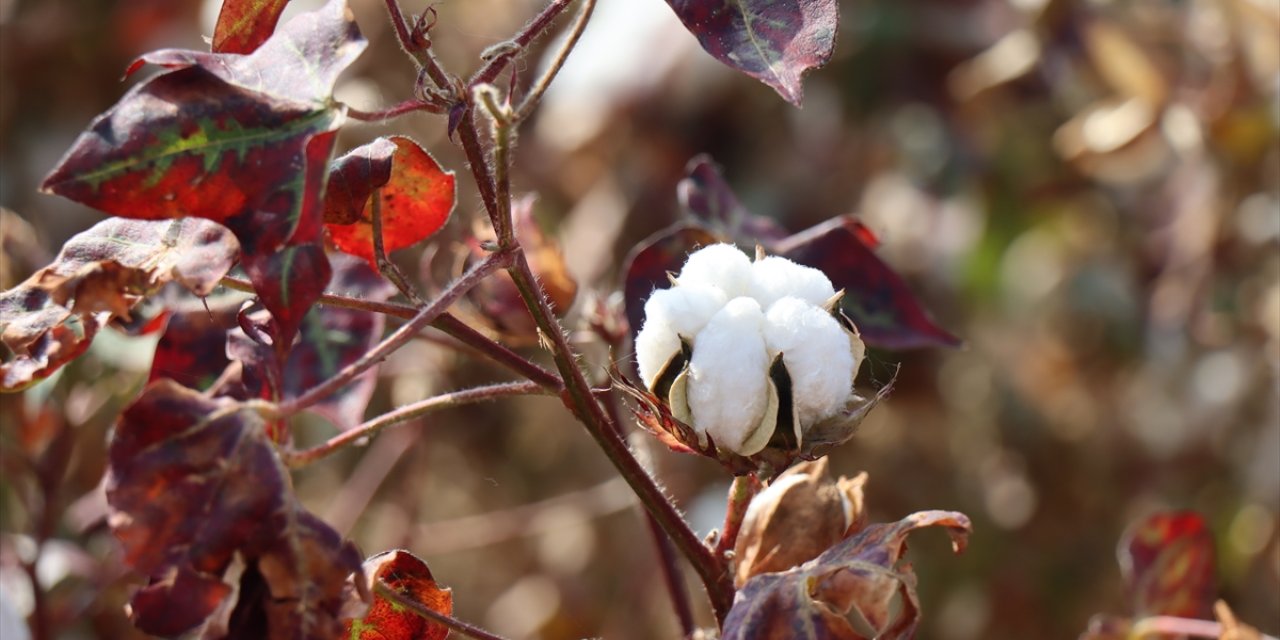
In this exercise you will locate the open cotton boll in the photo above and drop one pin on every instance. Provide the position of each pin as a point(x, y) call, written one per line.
point(817, 354)
point(668, 315)
point(774, 277)
point(718, 265)
point(728, 377)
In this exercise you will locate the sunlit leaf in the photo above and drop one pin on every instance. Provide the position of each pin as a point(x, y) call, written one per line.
point(417, 196)
point(194, 483)
point(387, 620)
point(101, 273)
point(1168, 562)
point(245, 24)
point(773, 42)
point(860, 576)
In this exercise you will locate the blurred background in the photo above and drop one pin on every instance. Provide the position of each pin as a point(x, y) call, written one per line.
point(1086, 192)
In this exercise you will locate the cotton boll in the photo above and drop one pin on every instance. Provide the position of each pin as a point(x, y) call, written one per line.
point(728, 375)
point(775, 277)
point(817, 354)
point(718, 265)
point(670, 314)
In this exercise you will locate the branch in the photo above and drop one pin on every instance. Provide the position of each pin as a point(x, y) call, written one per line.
point(408, 412)
point(446, 323)
point(408, 106)
point(540, 87)
point(539, 24)
point(398, 338)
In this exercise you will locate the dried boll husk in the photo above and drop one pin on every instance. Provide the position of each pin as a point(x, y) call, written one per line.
point(802, 513)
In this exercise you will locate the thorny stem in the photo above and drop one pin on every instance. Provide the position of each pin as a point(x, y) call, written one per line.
point(446, 323)
point(540, 87)
point(398, 338)
point(386, 267)
point(740, 494)
point(409, 412)
point(471, 631)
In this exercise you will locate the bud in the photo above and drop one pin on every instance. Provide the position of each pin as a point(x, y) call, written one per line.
point(802, 513)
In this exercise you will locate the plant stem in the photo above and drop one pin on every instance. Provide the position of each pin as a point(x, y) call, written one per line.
point(409, 412)
point(1175, 626)
point(710, 569)
point(529, 33)
point(386, 267)
point(446, 323)
point(471, 631)
point(740, 494)
point(399, 337)
point(540, 87)
point(408, 106)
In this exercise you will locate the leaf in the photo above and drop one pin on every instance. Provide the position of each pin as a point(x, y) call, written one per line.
point(417, 196)
point(775, 42)
point(386, 620)
point(245, 24)
point(193, 348)
point(860, 574)
point(1168, 563)
point(706, 195)
point(194, 483)
point(223, 137)
point(288, 282)
point(101, 273)
point(334, 337)
point(648, 263)
point(884, 309)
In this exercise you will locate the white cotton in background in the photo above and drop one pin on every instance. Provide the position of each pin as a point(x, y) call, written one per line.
point(670, 314)
point(775, 277)
point(719, 265)
point(728, 377)
point(817, 354)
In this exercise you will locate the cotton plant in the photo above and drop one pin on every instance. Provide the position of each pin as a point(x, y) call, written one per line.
point(750, 357)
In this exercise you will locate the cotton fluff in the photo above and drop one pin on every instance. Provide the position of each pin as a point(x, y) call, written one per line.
point(738, 316)
point(728, 376)
point(721, 266)
point(671, 314)
point(817, 354)
point(774, 278)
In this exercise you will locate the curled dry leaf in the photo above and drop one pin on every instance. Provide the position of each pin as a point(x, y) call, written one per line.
point(101, 273)
point(802, 513)
point(179, 457)
point(861, 576)
point(411, 578)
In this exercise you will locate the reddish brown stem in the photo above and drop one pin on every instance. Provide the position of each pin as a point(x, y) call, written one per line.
point(535, 27)
point(471, 631)
point(740, 494)
point(408, 106)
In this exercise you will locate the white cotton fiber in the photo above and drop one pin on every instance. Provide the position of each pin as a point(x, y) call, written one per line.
point(719, 265)
point(728, 389)
point(670, 314)
point(774, 278)
point(817, 354)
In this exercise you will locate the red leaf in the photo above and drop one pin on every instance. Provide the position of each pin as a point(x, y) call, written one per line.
point(245, 24)
point(648, 263)
point(101, 273)
point(876, 298)
point(417, 196)
point(704, 193)
point(194, 483)
point(193, 348)
point(773, 42)
point(288, 282)
point(334, 337)
point(860, 574)
point(386, 620)
point(1168, 563)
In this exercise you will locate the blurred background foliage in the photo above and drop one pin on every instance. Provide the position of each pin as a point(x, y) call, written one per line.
point(1087, 192)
